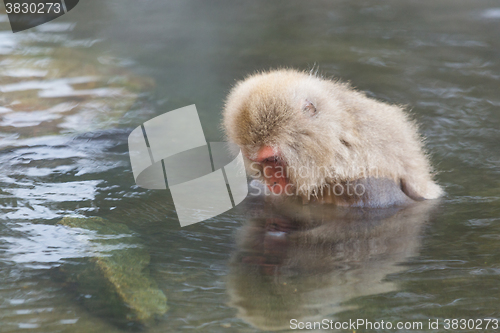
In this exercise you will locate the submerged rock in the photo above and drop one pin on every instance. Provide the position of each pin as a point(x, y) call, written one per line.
point(114, 282)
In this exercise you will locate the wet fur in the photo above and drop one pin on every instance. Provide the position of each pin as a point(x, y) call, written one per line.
point(327, 126)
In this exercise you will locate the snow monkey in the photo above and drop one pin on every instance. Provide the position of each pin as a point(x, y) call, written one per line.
point(323, 141)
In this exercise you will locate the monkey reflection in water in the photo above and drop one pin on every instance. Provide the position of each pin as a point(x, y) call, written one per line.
point(304, 262)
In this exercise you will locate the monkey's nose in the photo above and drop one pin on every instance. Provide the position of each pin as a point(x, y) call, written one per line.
point(264, 153)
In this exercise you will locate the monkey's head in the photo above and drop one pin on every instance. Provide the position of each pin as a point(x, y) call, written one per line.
point(291, 129)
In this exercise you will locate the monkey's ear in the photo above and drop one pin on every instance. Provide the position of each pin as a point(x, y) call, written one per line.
point(309, 108)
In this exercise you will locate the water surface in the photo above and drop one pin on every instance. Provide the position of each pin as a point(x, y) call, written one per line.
point(71, 91)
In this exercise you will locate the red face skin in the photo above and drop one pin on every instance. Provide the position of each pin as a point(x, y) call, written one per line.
point(274, 169)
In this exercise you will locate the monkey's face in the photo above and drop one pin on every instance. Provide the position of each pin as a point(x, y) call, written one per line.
point(284, 132)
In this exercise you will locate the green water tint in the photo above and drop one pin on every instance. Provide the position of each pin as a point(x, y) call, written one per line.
point(61, 90)
point(304, 262)
point(115, 283)
point(438, 58)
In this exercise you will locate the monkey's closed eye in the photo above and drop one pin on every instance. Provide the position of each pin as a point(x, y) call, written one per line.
point(309, 108)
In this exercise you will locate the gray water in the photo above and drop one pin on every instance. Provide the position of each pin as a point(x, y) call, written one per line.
point(72, 89)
